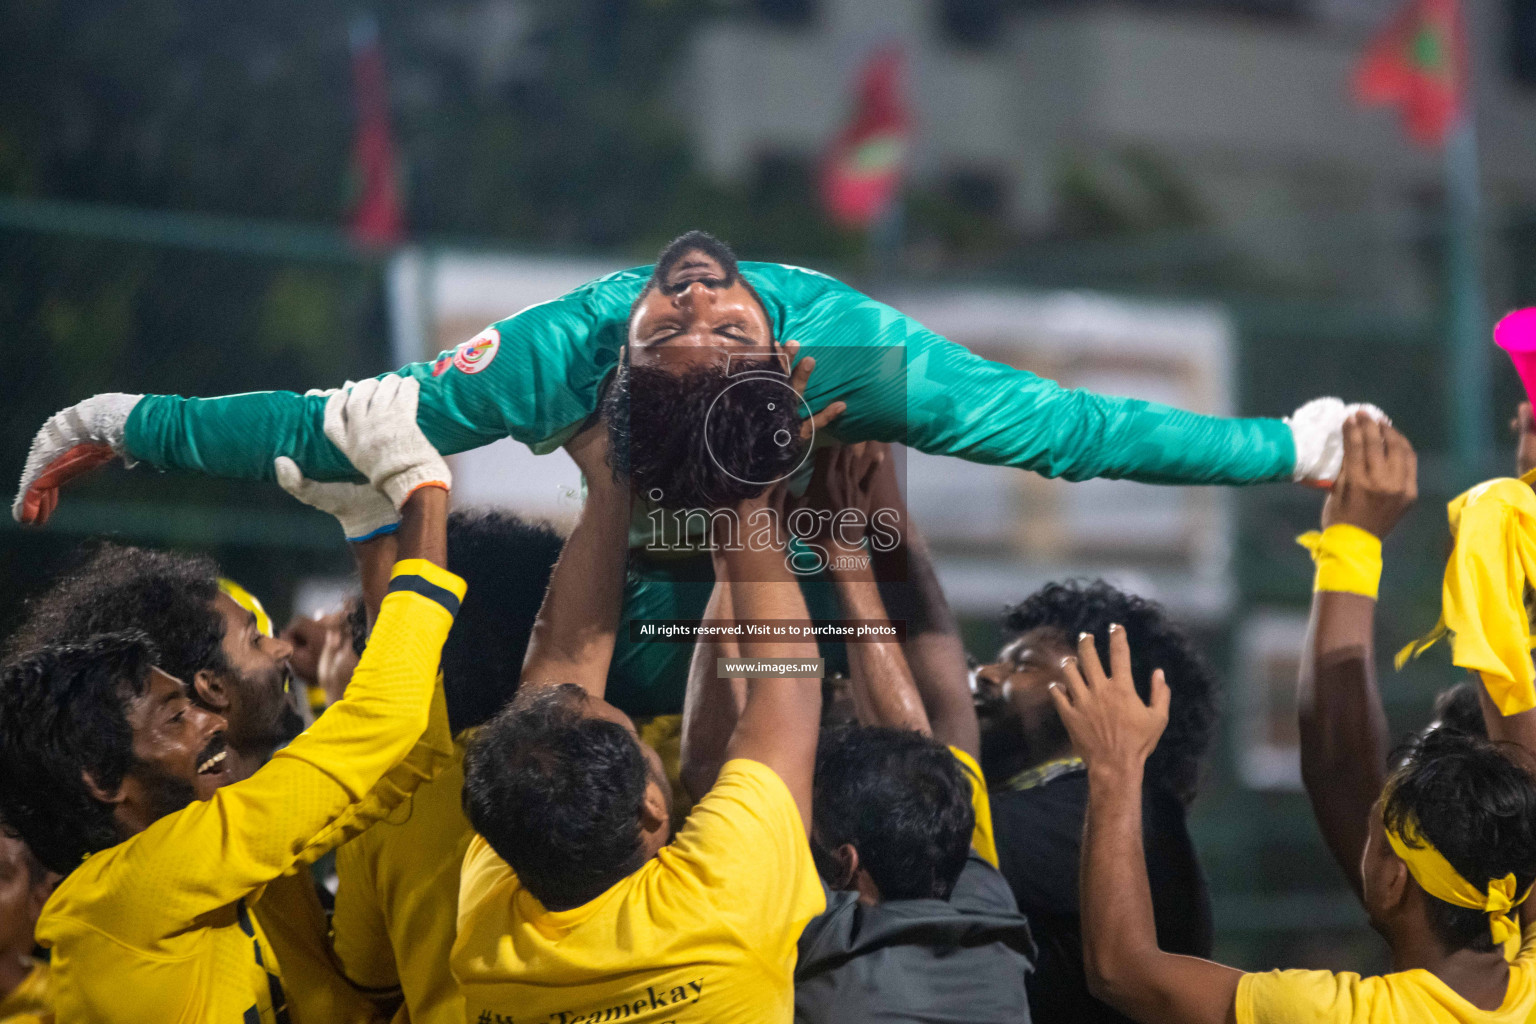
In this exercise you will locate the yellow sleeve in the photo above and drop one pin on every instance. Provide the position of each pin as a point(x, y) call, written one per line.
point(744, 851)
point(982, 839)
point(482, 871)
point(431, 755)
point(294, 924)
point(217, 851)
point(1303, 997)
point(358, 929)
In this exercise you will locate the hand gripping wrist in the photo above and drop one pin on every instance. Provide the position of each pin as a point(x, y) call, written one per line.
point(374, 425)
point(1317, 429)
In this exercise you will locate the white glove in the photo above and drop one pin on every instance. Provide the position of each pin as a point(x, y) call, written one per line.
point(374, 425)
point(71, 442)
point(1318, 430)
point(361, 510)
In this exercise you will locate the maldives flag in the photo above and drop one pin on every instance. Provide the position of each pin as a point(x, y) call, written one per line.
point(1419, 64)
point(377, 218)
point(862, 170)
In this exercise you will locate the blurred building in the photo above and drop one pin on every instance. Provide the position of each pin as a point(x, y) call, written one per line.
point(1231, 115)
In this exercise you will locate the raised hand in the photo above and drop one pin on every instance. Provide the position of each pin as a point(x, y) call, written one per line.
point(361, 509)
point(374, 425)
point(1378, 480)
point(1317, 430)
point(1110, 726)
point(843, 480)
point(798, 380)
point(589, 450)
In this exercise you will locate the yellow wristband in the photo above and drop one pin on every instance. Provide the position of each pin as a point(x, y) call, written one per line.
point(1348, 559)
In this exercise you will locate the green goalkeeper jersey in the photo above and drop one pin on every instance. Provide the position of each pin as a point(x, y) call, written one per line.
point(535, 376)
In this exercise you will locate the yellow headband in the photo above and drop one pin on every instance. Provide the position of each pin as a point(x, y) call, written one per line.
point(247, 600)
point(1436, 876)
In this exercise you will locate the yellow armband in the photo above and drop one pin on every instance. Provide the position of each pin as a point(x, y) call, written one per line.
point(1348, 559)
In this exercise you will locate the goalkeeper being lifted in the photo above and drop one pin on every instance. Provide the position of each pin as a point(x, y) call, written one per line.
point(683, 428)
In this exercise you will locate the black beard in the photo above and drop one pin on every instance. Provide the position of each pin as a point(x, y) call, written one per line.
point(278, 722)
point(165, 793)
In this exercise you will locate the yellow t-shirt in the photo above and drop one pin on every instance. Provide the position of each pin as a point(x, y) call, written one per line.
point(1408, 997)
point(397, 900)
point(982, 839)
point(29, 1002)
point(317, 983)
point(704, 931)
point(157, 929)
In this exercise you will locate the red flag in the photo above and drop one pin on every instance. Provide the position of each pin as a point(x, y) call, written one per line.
point(377, 217)
point(1419, 64)
point(862, 170)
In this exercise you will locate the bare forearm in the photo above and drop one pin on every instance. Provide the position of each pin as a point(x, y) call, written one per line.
point(763, 588)
point(935, 650)
point(375, 559)
point(884, 689)
point(1118, 926)
point(1123, 963)
point(572, 638)
point(712, 705)
point(423, 529)
point(1343, 725)
point(781, 716)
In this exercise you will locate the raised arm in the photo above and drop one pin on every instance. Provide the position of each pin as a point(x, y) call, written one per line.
point(934, 648)
point(1343, 725)
point(883, 689)
point(472, 395)
point(782, 715)
point(309, 793)
point(711, 705)
point(939, 397)
point(572, 638)
point(1113, 731)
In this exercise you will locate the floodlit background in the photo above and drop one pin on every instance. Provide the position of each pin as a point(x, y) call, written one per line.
point(1180, 200)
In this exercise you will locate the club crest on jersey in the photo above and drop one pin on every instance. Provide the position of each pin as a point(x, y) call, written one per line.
point(476, 353)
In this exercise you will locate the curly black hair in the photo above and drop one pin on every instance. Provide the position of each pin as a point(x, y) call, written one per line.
point(1476, 803)
point(702, 438)
point(168, 595)
point(557, 794)
point(63, 713)
point(901, 800)
point(1081, 606)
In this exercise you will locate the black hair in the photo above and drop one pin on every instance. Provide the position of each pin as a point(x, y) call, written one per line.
point(1460, 707)
point(168, 595)
point(63, 712)
point(1477, 805)
point(558, 795)
point(899, 798)
point(357, 622)
point(702, 438)
point(506, 563)
point(689, 242)
point(1079, 606)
